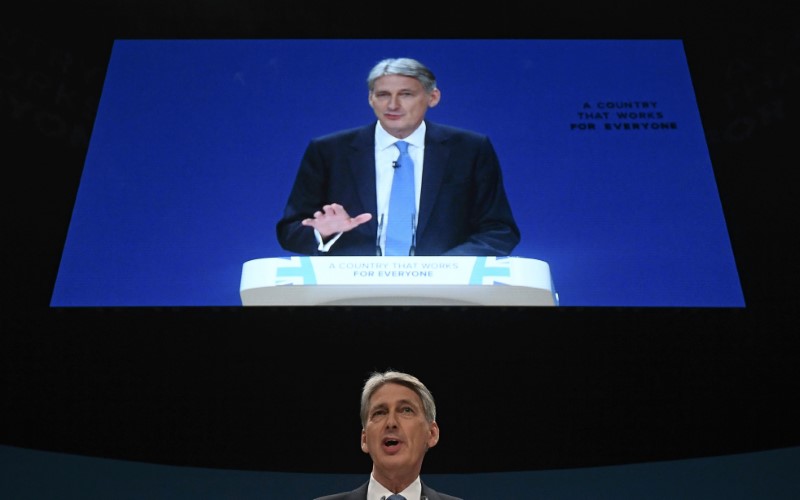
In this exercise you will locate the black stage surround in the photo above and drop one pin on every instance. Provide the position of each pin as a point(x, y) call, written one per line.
point(276, 389)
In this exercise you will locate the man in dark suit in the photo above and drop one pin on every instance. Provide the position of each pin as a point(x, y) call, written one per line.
point(398, 427)
point(339, 202)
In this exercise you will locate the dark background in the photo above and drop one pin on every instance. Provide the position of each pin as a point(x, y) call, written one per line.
point(518, 389)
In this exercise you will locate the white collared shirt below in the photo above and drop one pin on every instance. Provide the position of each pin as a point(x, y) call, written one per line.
point(377, 491)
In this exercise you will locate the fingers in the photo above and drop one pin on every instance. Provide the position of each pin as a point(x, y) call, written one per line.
point(333, 210)
point(334, 218)
point(328, 211)
point(362, 218)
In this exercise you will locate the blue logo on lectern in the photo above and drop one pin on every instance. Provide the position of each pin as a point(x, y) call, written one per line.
point(305, 271)
point(480, 270)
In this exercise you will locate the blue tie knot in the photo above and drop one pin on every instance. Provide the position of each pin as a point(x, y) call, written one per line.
point(402, 146)
point(395, 497)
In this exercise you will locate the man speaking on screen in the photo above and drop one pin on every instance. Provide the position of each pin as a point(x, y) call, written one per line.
point(345, 190)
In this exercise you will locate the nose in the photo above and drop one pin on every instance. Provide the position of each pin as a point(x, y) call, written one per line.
point(394, 102)
point(391, 420)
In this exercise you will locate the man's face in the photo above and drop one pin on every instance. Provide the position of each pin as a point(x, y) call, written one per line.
point(397, 434)
point(400, 103)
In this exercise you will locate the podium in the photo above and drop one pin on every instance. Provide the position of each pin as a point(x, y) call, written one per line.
point(396, 281)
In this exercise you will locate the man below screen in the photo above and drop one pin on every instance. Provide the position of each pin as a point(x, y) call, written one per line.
point(339, 203)
point(398, 427)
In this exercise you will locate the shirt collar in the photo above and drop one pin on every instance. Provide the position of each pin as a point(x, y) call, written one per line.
point(376, 490)
point(384, 140)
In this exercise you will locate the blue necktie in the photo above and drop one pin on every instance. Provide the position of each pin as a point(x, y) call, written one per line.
point(401, 225)
point(395, 497)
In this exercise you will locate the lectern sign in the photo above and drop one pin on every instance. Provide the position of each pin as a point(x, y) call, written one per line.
point(397, 281)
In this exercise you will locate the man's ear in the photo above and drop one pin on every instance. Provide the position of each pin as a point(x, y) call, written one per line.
point(433, 439)
point(434, 97)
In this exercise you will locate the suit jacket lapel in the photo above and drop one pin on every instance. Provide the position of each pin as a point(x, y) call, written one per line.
point(436, 156)
point(362, 169)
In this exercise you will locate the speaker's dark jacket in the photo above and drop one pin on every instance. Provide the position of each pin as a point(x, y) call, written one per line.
point(360, 493)
point(463, 208)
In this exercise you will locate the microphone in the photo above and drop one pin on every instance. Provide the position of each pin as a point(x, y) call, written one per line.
point(413, 249)
point(394, 164)
point(378, 251)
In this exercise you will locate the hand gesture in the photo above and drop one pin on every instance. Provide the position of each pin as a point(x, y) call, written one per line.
point(334, 219)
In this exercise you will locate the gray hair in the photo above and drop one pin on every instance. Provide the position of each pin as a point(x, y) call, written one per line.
point(403, 66)
point(378, 379)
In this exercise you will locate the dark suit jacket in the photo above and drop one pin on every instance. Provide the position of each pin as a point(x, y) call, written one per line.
point(463, 207)
point(360, 493)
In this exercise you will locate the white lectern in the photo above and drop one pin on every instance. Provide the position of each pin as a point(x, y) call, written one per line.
point(397, 281)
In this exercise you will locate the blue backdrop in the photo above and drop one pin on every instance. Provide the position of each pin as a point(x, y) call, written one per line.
point(196, 143)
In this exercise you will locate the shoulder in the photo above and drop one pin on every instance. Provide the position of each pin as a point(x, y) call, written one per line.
point(438, 132)
point(337, 496)
point(366, 132)
point(456, 137)
point(359, 493)
point(431, 494)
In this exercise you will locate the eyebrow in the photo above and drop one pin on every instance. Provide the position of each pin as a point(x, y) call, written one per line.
point(399, 402)
point(399, 90)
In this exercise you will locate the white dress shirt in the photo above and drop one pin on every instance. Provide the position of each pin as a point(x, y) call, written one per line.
point(386, 154)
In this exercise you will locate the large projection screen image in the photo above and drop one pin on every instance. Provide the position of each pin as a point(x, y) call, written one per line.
point(196, 144)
